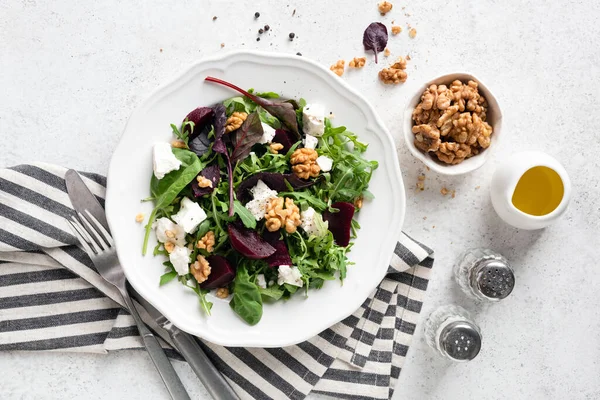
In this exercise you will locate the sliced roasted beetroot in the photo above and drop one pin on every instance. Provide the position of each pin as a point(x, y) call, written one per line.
point(281, 255)
point(339, 222)
point(221, 273)
point(201, 117)
point(248, 242)
point(211, 173)
point(285, 138)
point(274, 181)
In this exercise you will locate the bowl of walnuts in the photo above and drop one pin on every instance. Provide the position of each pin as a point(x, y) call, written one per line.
point(452, 124)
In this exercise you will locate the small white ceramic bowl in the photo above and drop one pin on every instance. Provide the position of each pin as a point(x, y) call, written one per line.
point(494, 118)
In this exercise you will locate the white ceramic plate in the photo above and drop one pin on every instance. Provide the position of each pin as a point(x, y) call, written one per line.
point(283, 323)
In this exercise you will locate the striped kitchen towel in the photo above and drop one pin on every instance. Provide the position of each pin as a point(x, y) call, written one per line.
point(51, 298)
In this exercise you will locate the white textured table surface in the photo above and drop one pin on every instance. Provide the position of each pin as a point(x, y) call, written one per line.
point(72, 72)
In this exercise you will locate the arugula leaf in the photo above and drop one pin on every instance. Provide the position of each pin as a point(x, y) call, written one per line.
point(246, 300)
point(265, 95)
point(165, 190)
point(272, 292)
point(245, 137)
point(167, 277)
point(283, 111)
point(246, 216)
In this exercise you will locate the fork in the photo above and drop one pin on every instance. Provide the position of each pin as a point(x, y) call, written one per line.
point(99, 246)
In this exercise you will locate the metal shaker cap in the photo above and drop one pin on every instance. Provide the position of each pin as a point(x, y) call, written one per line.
point(493, 278)
point(460, 340)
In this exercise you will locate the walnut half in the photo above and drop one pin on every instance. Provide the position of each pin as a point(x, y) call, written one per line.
point(395, 74)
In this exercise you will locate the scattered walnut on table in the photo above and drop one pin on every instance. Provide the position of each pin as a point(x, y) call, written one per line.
point(207, 242)
point(396, 29)
point(395, 74)
point(385, 7)
point(200, 269)
point(277, 216)
point(387, 52)
point(304, 163)
point(139, 217)
point(412, 33)
point(357, 62)
point(235, 121)
point(338, 67)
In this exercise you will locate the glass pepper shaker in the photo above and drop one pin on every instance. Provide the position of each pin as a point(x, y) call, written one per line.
point(451, 331)
point(484, 275)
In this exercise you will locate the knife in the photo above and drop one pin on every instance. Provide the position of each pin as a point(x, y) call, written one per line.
point(186, 344)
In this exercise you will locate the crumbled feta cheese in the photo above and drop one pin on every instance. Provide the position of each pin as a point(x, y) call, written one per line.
point(312, 222)
point(325, 163)
point(180, 258)
point(313, 119)
point(189, 216)
point(164, 161)
point(169, 231)
point(268, 134)
point(261, 281)
point(262, 196)
point(310, 142)
point(289, 275)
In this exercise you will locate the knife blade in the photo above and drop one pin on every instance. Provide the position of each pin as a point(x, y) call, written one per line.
point(186, 344)
point(82, 197)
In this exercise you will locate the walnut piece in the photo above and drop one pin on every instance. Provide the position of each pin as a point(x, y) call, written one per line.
point(277, 216)
point(169, 247)
point(304, 163)
point(338, 67)
point(387, 52)
point(412, 33)
point(357, 62)
point(139, 217)
point(200, 269)
point(178, 144)
point(395, 74)
point(450, 121)
point(275, 147)
point(385, 7)
point(204, 182)
point(358, 202)
point(207, 242)
point(235, 121)
point(396, 29)
point(222, 293)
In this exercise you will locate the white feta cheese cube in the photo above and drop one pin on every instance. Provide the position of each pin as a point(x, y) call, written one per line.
point(262, 196)
point(261, 281)
point(313, 119)
point(310, 142)
point(180, 258)
point(268, 134)
point(163, 160)
point(312, 223)
point(325, 163)
point(169, 231)
point(190, 215)
point(289, 275)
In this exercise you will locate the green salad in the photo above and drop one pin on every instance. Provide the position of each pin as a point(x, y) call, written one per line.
point(255, 200)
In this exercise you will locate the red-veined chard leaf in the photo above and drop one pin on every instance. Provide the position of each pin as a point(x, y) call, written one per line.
point(375, 38)
point(282, 110)
point(245, 137)
point(212, 173)
point(274, 181)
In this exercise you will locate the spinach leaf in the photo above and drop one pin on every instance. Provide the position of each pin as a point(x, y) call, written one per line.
point(165, 190)
point(245, 137)
point(272, 292)
point(246, 216)
point(282, 110)
point(375, 38)
point(246, 301)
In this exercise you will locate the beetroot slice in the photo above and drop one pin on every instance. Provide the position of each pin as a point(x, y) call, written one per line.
point(249, 243)
point(221, 273)
point(274, 181)
point(212, 173)
point(285, 138)
point(339, 222)
point(281, 255)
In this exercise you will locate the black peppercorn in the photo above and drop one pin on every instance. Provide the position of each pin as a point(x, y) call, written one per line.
point(292, 35)
point(298, 54)
point(256, 14)
point(258, 39)
point(260, 31)
point(267, 27)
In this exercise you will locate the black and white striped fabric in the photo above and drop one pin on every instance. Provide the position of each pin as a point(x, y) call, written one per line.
point(51, 298)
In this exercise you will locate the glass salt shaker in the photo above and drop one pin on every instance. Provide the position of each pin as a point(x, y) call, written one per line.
point(484, 275)
point(451, 331)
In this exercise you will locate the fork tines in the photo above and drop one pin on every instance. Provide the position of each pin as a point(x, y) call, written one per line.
point(91, 234)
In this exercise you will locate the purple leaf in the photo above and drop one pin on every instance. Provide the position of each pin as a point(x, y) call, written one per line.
point(282, 110)
point(339, 222)
point(212, 172)
point(282, 136)
point(221, 273)
point(219, 146)
point(248, 242)
point(281, 255)
point(274, 181)
point(199, 142)
point(201, 117)
point(375, 38)
point(245, 137)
